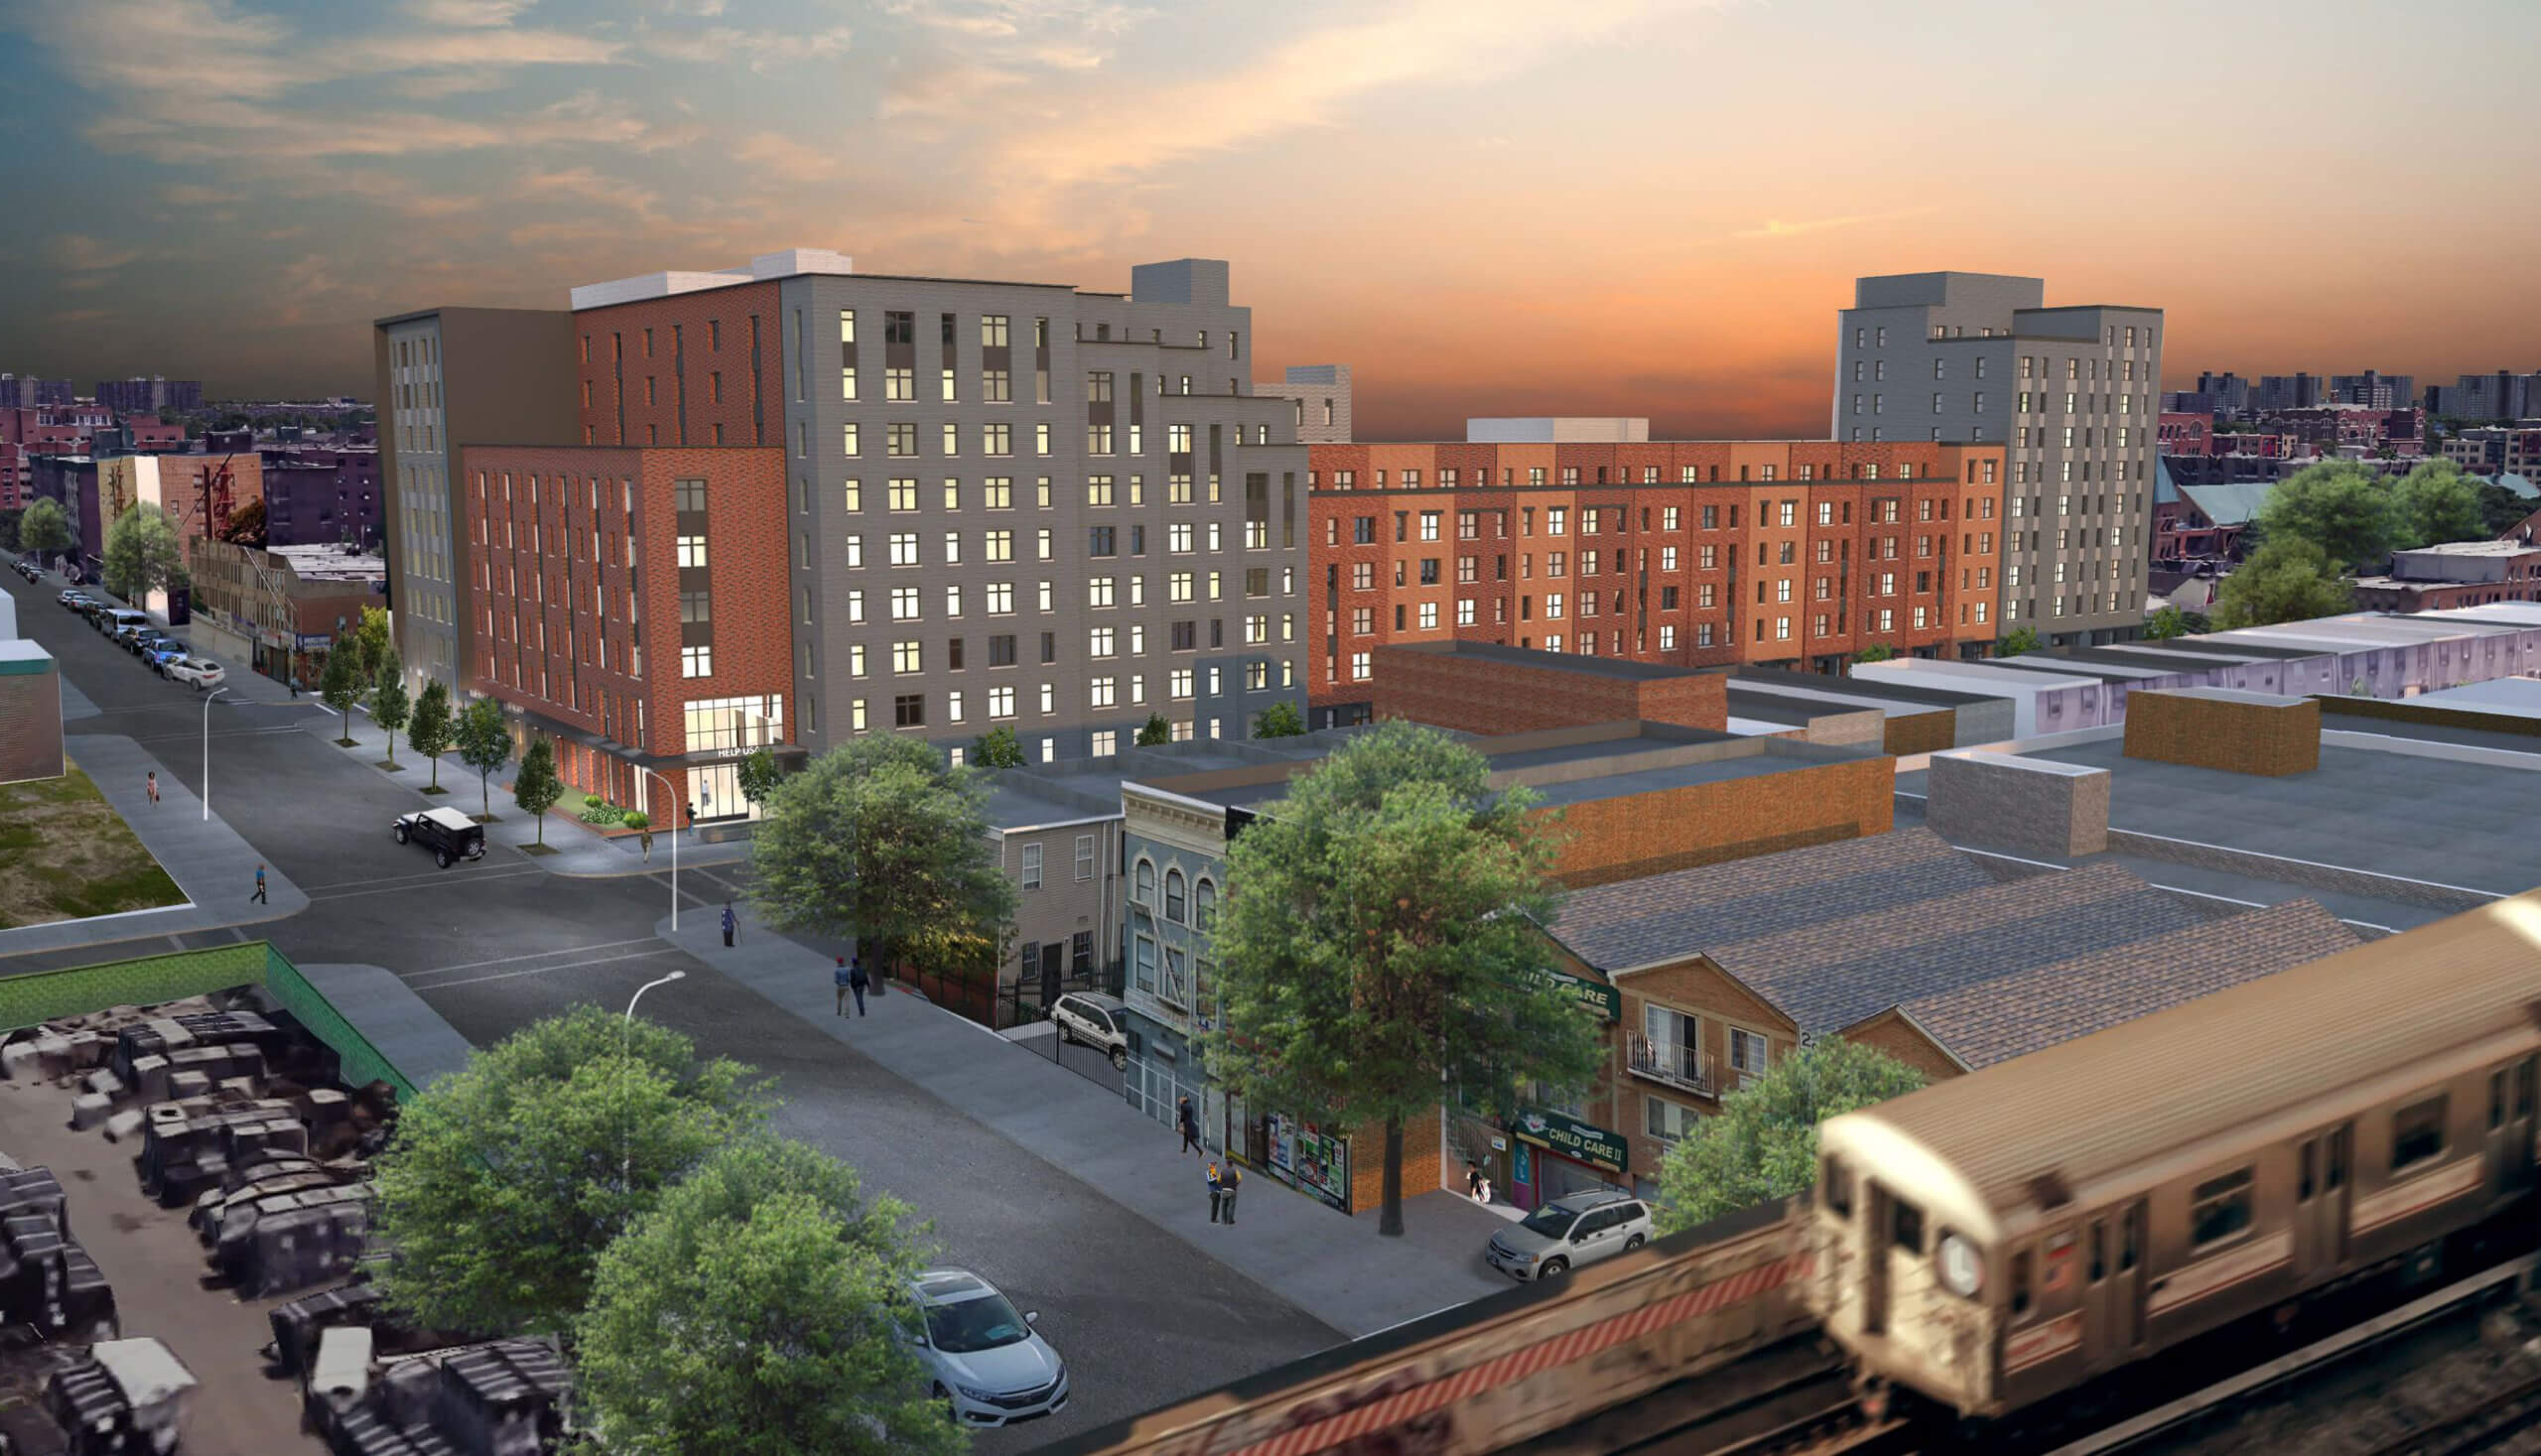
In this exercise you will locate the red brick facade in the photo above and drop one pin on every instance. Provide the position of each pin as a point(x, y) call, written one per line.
point(1492, 694)
point(581, 631)
point(689, 370)
point(1696, 552)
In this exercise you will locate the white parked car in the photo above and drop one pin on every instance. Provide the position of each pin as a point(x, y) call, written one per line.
point(1569, 1232)
point(982, 1357)
point(1098, 1020)
point(202, 672)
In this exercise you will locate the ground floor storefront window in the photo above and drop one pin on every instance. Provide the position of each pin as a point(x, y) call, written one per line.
point(1553, 1155)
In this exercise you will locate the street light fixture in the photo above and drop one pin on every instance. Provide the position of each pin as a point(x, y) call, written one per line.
point(626, 1029)
point(207, 751)
point(667, 793)
point(625, 1052)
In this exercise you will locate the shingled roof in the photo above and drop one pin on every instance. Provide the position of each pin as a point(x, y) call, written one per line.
point(1687, 913)
point(1828, 975)
point(2013, 1015)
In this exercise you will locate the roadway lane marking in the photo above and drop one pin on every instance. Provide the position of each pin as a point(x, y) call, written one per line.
point(428, 884)
point(543, 970)
point(425, 876)
point(606, 945)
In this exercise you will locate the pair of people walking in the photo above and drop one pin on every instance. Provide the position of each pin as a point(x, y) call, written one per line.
point(852, 981)
point(1222, 1188)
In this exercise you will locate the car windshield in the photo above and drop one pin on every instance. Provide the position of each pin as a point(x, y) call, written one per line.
point(1551, 1222)
point(975, 1324)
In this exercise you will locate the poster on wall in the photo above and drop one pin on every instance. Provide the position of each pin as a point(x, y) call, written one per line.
point(1308, 1160)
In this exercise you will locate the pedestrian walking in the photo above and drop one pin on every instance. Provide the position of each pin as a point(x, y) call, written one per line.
point(260, 886)
point(858, 983)
point(153, 788)
point(728, 924)
point(1228, 1182)
point(838, 979)
point(1190, 1127)
point(1217, 1193)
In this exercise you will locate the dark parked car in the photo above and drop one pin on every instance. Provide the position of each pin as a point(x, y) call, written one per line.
point(139, 643)
point(164, 652)
point(448, 834)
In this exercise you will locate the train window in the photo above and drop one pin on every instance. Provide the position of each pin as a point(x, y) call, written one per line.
point(1839, 1188)
point(2337, 1160)
point(2219, 1209)
point(2417, 1133)
point(2497, 1099)
point(2126, 1236)
point(1906, 1226)
point(2099, 1252)
point(2303, 1185)
point(2020, 1283)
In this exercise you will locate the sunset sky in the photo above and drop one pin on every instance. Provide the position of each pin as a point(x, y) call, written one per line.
point(1484, 207)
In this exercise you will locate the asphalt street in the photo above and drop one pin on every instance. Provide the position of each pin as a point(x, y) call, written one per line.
point(1141, 1315)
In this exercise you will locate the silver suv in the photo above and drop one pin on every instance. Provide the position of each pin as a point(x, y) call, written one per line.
point(1571, 1230)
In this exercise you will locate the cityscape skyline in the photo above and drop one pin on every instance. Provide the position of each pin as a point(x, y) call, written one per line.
point(1356, 166)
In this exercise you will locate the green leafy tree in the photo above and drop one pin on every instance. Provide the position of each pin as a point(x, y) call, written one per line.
point(760, 774)
point(340, 686)
point(430, 727)
point(1380, 942)
point(2167, 623)
point(44, 528)
point(2338, 506)
point(2016, 641)
point(879, 840)
point(2500, 509)
point(484, 746)
point(2435, 504)
point(1278, 720)
point(1157, 733)
point(1764, 1142)
point(371, 647)
point(1875, 652)
point(144, 554)
point(997, 749)
point(245, 526)
point(504, 1182)
point(390, 707)
point(536, 788)
point(758, 1311)
point(2284, 580)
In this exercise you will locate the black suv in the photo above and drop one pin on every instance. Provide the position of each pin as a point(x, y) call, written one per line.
point(448, 834)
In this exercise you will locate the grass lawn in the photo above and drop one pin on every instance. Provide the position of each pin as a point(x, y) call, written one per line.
point(66, 854)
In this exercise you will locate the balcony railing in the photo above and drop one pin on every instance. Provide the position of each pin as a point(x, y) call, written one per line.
point(1681, 1067)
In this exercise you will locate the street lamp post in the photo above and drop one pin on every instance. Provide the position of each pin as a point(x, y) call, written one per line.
point(625, 1051)
point(207, 751)
point(674, 798)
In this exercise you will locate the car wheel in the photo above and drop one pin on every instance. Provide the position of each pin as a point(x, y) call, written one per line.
point(1119, 1059)
point(402, 835)
point(951, 1411)
point(1554, 1268)
point(1633, 1243)
point(441, 857)
point(1066, 1037)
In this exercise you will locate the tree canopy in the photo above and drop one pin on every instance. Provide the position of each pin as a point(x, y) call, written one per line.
point(1278, 720)
point(1764, 1142)
point(390, 704)
point(2338, 506)
point(144, 554)
point(484, 746)
point(1379, 940)
point(1155, 732)
point(2435, 504)
point(759, 776)
point(370, 641)
point(430, 727)
point(2016, 641)
point(504, 1182)
point(878, 840)
point(244, 526)
point(2287, 580)
point(1875, 652)
point(2171, 621)
point(755, 1311)
point(340, 686)
point(45, 527)
point(997, 749)
point(536, 788)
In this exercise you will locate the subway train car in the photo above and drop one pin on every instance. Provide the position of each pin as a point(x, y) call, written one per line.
point(1996, 1241)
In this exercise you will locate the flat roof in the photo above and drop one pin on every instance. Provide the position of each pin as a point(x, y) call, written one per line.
point(2509, 697)
point(1873, 687)
point(1535, 657)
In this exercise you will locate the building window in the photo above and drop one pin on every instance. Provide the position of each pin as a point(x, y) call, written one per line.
point(692, 551)
point(909, 709)
point(697, 662)
point(1204, 904)
point(1032, 867)
point(1173, 905)
point(1669, 1122)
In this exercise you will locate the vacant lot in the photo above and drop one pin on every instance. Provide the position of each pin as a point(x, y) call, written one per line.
point(66, 854)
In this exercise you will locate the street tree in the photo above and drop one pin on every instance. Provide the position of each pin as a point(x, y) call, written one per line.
point(2337, 506)
point(390, 707)
point(1875, 652)
point(757, 1311)
point(536, 788)
point(371, 646)
point(2016, 641)
point(1155, 732)
point(2435, 504)
point(1380, 942)
point(44, 528)
point(430, 727)
point(2167, 623)
point(1764, 1143)
point(2285, 581)
point(340, 687)
point(144, 554)
point(879, 840)
point(245, 526)
point(484, 746)
point(2500, 509)
point(1278, 720)
point(997, 749)
point(758, 774)
point(504, 1182)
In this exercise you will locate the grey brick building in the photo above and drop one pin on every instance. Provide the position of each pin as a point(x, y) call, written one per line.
point(2072, 392)
point(1319, 395)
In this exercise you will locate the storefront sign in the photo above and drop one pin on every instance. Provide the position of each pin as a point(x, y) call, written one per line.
point(1573, 1138)
point(1600, 999)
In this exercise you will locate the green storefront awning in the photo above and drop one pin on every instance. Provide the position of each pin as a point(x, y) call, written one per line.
point(1573, 1138)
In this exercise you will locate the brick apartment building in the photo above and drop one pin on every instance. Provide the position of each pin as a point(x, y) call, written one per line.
point(277, 611)
point(317, 495)
point(1683, 553)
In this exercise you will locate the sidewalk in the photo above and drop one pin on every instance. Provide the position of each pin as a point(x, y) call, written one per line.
point(209, 860)
point(579, 852)
point(1333, 1266)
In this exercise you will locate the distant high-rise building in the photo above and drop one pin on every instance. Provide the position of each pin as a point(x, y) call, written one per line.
point(1978, 358)
point(1321, 393)
point(2297, 391)
point(2229, 391)
point(25, 391)
point(2375, 390)
point(2503, 395)
point(149, 395)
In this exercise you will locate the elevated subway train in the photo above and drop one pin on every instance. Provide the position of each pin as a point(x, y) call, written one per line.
point(2004, 1239)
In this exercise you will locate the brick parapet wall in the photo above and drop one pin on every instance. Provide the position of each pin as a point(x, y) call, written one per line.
point(2018, 804)
point(2270, 738)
